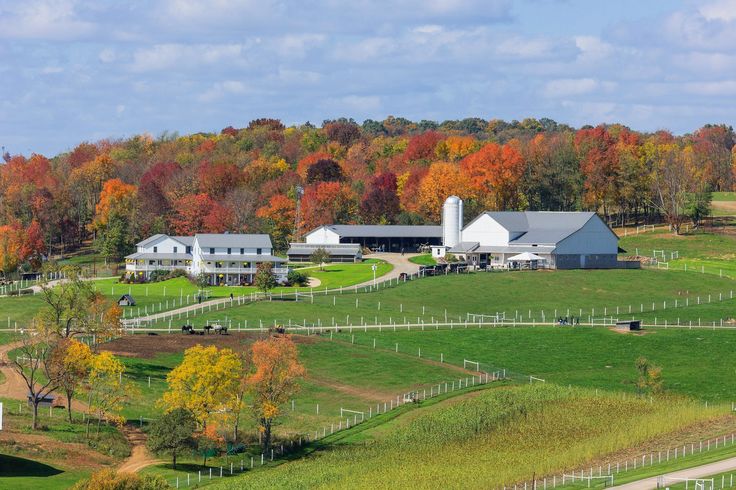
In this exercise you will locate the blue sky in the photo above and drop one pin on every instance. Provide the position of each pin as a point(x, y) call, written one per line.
point(81, 70)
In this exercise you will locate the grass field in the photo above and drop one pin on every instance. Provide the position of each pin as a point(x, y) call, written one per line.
point(524, 295)
point(424, 259)
point(697, 363)
point(492, 438)
point(166, 295)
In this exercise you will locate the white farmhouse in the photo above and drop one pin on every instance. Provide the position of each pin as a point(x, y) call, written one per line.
point(558, 240)
point(229, 259)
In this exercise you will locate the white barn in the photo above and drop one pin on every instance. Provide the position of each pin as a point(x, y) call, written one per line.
point(502, 239)
point(229, 259)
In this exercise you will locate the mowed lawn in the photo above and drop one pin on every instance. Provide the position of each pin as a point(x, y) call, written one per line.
point(173, 293)
point(520, 294)
point(700, 363)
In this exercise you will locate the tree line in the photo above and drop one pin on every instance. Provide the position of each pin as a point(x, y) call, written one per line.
point(115, 192)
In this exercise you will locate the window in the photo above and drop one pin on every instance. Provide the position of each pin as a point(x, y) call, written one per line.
point(176, 249)
point(212, 250)
point(229, 251)
point(189, 249)
point(242, 251)
point(258, 251)
point(155, 249)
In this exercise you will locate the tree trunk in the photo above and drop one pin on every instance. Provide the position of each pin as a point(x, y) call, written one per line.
point(34, 424)
point(69, 396)
point(174, 459)
point(266, 435)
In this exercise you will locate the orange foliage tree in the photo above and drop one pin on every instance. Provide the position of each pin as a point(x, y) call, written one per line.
point(494, 173)
point(279, 216)
point(443, 180)
point(326, 203)
point(199, 213)
point(273, 380)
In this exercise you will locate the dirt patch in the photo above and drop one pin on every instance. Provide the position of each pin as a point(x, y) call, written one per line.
point(148, 346)
point(14, 386)
point(52, 451)
point(139, 455)
point(727, 206)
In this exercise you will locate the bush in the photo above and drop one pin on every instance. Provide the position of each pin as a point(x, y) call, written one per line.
point(111, 480)
point(296, 278)
point(26, 291)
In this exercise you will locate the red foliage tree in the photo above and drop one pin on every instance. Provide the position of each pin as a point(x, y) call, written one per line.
point(421, 148)
point(380, 204)
point(199, 213)
point(326, 203)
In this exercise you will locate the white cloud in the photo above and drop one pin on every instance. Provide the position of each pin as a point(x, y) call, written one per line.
point(107, 55)
point(166, 56)
point(43, 19)
point(719, 10)
point(566, 87)
point(223, 89)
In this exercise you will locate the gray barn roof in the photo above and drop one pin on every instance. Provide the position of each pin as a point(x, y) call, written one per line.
point(540, 227)
point(234, 240)
point(308, 248)
point(386, 231)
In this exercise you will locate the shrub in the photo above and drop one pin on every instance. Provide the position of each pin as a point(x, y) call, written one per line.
point(111, 480)
point(296, 278)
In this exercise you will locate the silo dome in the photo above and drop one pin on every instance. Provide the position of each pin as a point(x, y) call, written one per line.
point(452, 221)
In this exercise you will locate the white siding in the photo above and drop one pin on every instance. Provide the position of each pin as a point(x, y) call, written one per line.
point(486, 231)
point(323, 236)
point(593, 238)
point(164, 245)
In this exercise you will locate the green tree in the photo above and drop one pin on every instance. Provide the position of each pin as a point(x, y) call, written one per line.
point(697, 206)
point(115, 240)
point(320, 256)
point(650, 377)
point(264, 279)
point(173, 433)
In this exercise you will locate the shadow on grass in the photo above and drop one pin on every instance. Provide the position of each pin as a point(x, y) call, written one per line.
point(11, 466)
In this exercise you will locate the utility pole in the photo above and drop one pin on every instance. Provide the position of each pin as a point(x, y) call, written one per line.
point(299, 191)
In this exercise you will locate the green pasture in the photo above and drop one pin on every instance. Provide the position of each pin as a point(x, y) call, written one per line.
point(424, 259)
point(522, 295)
point(724, 196)
point(700, 363)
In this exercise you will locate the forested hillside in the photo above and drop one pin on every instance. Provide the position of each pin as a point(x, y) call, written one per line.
point(395, 171)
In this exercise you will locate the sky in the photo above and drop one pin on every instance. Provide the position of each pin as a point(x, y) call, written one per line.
point(84, 70)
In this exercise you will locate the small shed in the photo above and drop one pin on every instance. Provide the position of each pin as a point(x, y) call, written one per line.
point(126, 300)
point(46, 401)
point(629, 325)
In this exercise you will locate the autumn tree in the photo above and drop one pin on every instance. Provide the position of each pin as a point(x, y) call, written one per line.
point(328, 202)
point(205, 383)
point(273, 380)
point(200, 214)
point(326, 170)
point(32, 361)
point(380, 203)
point(279, 215)
point(494, 174)
point(106, 390)
point(264, 279)
point(673, 179)
point(172, 433)
point(73, 307)
point(114, 219)
point(650, 377)
point(10, 247)
point(442, 180)
point(70, 364)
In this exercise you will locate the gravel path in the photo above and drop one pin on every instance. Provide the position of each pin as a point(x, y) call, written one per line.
point(696, 472)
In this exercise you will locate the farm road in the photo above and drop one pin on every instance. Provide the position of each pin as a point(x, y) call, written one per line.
point(696, 472)
point(399, 262)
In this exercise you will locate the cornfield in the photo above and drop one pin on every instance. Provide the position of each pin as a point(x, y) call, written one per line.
point(492, 439)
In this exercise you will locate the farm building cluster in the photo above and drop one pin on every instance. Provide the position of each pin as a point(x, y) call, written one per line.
point(225, 259)
point(496, 239)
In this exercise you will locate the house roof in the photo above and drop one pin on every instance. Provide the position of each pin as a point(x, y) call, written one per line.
point(233, 240)
point(158, 255)
point(184, 240)
point(308, 248)
point(150, 239)
point(464, 247)
point(385, 231)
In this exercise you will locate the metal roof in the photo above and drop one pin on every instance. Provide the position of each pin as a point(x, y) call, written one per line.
point(307, 249)
point(386, 231)
point(540, 227)
point(185, 240)
point(234, 240)
point(242, 258)
point(158, 255)
point(150, 239)
point(464, 247)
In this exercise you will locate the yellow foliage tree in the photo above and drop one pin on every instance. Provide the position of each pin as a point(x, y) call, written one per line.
point(106, 389)
point(455, 148)
point(71, 361)
point(207, 381)
point(273, 380)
